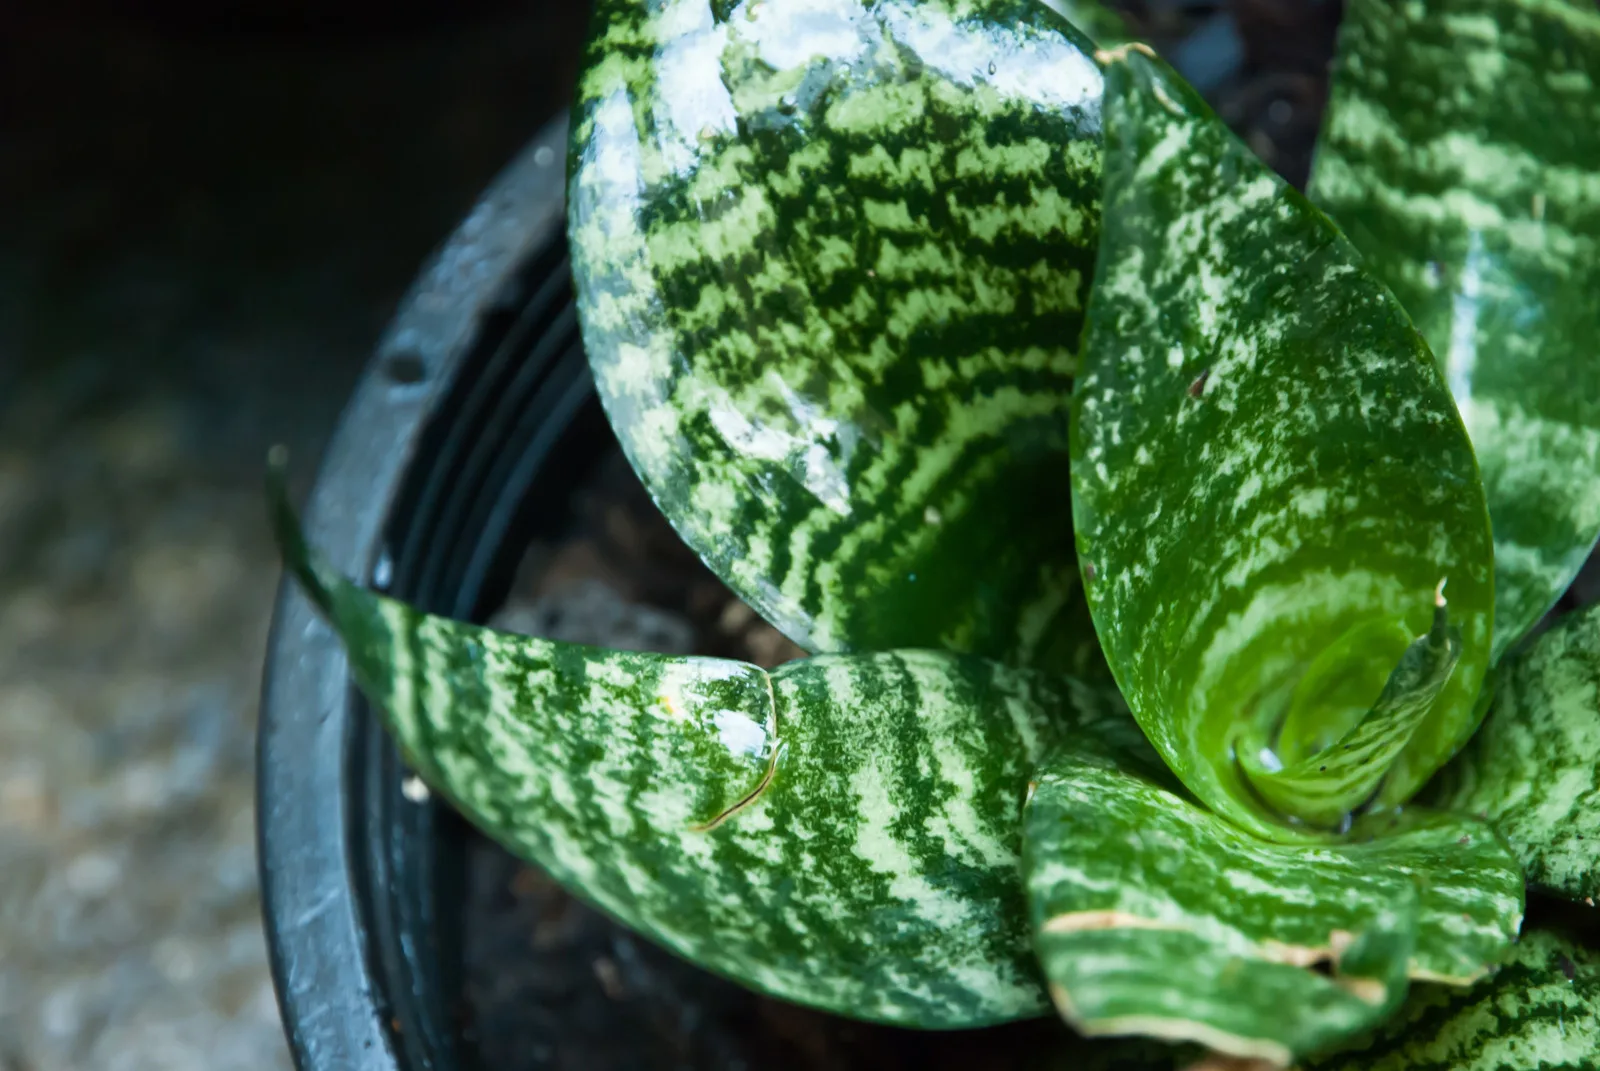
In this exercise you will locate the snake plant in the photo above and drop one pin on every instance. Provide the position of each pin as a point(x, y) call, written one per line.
point(1169, 542)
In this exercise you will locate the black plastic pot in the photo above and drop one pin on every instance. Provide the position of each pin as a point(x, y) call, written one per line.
point(478, 391)
point(467, 438)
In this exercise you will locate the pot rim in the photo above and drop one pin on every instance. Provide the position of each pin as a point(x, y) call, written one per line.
point(331, 1000)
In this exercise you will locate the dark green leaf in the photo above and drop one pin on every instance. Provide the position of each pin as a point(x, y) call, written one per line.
point(1154, 916)
point(831, 261)
point(842, 832)
point(1534, 768)
point(1540, 1012)
point(1267, 467)
point(1461, 154)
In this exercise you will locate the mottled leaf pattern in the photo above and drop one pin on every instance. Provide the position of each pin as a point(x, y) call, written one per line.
point(1534, 768)
point(1461, 154)
point(1265, 460)
point(870, 862)
point(1539, 1012)
point(1152, 915)
point(1327, 786)
point(831, 258)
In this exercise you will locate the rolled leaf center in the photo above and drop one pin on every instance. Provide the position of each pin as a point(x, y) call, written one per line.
point(1320, 765)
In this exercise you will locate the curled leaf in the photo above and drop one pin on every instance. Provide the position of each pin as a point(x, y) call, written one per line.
point(1269, 475)
point(1327, 786)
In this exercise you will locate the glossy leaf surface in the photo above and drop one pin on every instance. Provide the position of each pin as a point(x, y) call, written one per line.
point(1461, 154)
point(1154, 916)
point(1541, 1010)
point(1338, 776)
point(1266, 464)
point(841, 832)
point(831, 261)
point(1534, 768)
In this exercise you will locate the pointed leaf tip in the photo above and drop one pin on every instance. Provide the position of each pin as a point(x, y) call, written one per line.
point(772, 827)
point(1329, 786)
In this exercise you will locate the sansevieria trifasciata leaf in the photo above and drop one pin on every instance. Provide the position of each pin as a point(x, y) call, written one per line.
point(1539, 1012)
point(1152, 915)
point(842, 831)
point(1461, 154)
point(831, 261)
point(1533, 769)
point(1267, 468)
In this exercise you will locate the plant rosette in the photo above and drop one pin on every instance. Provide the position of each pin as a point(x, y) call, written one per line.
point(1159, 533)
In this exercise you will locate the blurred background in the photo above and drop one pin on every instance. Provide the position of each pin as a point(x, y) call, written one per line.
point(207, 214)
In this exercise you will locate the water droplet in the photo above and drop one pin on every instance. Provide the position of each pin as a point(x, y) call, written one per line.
point(383, 570)
point(544, 156)
point(993, 68)
point(786, 104)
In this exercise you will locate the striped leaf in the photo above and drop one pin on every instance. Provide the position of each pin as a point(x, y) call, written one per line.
point(1154, 916)
point(831, 260)
point(1266, 464)
point(842, 832)
point(1460, 155)
point(1534, 768)
point(1540, 1012)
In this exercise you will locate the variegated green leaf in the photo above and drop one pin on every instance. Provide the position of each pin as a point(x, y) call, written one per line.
point(1152, 915)
point(831, 259)
point(1266, 464)
point(1533, 770)
point(1326, 786)
point(1461, 154)
point(842, 832)
point(1539, 1012)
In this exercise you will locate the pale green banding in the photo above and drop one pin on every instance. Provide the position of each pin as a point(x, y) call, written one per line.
point(1539, 1012)
point(1533, 769)
point(1265, 457)
point(1327, 787)
point(876, 875)
point(831, 258)
point(1152, 915)
point(1459, 154)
